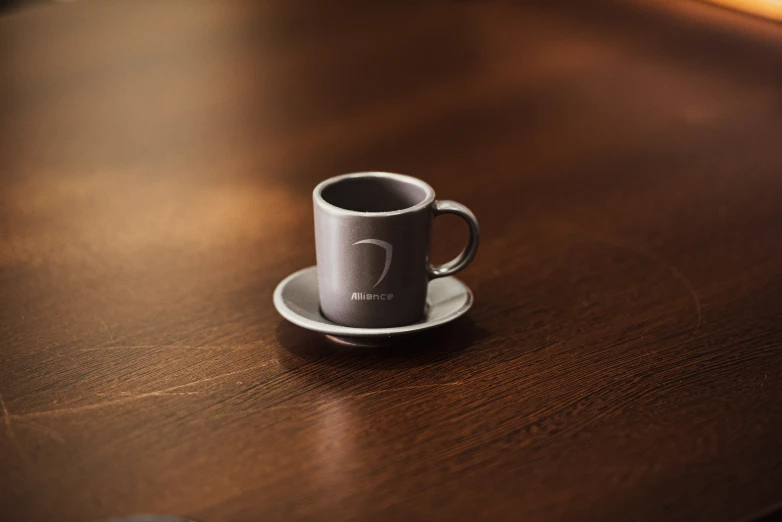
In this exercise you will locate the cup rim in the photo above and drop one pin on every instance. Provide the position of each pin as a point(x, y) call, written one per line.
point(427, 201)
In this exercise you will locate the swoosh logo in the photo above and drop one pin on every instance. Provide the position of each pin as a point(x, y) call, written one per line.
point(389, 253)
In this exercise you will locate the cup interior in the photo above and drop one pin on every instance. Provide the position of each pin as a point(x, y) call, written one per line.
point(374, 194)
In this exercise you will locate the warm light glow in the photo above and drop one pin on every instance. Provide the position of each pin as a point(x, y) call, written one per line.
point(768, 8)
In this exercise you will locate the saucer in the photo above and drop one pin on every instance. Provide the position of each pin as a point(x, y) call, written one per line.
point(296, 298)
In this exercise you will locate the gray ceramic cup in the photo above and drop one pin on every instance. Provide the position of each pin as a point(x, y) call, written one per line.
point(372, 237)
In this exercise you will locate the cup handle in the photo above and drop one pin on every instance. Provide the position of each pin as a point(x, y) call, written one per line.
point(461, 261)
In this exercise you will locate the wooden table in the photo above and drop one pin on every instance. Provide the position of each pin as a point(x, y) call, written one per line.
point(623, 360)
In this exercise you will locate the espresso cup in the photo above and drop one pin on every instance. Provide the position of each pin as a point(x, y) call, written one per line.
point(372, 238)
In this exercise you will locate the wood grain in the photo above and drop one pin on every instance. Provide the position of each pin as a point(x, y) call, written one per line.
point(623, 360)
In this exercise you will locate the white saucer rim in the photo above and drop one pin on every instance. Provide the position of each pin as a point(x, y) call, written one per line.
point(349, 331)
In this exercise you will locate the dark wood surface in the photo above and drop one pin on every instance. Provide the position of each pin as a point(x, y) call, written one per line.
point(623, 360)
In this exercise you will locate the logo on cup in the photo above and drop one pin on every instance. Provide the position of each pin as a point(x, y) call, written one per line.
point(389, 251)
